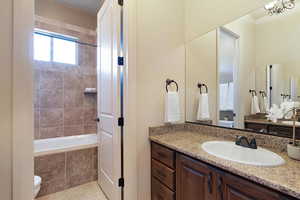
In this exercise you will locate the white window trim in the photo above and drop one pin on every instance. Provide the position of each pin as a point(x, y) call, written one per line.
point(36, 31)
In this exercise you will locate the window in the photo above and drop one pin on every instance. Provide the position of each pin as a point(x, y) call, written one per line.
point(42, 48)
point(51, 47)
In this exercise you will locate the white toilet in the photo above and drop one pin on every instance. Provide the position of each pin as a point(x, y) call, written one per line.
point(37, 185)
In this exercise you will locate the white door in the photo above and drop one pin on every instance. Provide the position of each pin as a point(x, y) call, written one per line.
point(109, 167)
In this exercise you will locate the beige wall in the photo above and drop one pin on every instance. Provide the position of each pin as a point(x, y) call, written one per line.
point(276, 45)
point(23, 100)
point(160, 55)
point(16, 153)
point(201, 66)
point(53, 10)
point(203, 16)
point(6, 100)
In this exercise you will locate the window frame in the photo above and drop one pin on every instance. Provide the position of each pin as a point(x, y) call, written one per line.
point(53, 35)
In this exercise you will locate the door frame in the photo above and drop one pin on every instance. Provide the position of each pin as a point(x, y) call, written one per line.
point(235, 74)
point(22, 105)
point(23, 127)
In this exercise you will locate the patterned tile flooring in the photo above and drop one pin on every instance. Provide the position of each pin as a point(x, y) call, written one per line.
point(89, 191)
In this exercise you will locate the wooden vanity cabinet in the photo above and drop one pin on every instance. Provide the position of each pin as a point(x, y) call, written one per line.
point(236, 188)
point(162, 173)
point(196, 180)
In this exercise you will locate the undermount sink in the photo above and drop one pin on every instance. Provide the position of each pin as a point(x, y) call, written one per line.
point(231, 151)
point(290, 123)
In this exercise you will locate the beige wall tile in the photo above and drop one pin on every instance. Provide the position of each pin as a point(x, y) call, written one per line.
point(51, 132)
point(73, 116)
point(80, 167)
point(59, 94)
point(50, 80)
point(51, 168)
point(51, 117)
point(74, 130)
point(52, 98)
point(73, 98)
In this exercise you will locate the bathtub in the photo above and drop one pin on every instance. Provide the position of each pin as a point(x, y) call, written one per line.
point(65, 162)
point(64, 144)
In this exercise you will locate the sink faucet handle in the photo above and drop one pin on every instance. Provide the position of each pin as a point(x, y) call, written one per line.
point(253, 144)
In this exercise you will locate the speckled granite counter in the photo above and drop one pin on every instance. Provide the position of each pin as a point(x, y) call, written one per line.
point(182, 138)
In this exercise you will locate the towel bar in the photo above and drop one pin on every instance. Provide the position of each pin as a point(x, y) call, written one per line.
point(169, 82)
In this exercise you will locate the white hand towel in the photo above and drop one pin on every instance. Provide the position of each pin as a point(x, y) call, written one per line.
point(254, 105)
point(230, 97)
point(172, 107)
point(203, 107)
point(223, 96)
point(265, 105)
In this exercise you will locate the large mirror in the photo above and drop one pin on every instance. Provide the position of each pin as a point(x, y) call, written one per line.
point(245, 74)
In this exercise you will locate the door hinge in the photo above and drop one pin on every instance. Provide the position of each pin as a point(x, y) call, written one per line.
point(271, 88)
point(121, 182)
point(121, 121)
point(97, 119)
point(121, 61)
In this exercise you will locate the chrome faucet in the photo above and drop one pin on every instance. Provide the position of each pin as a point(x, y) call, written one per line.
point(294, 117)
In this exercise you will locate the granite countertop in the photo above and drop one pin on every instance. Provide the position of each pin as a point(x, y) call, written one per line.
point(285, 178)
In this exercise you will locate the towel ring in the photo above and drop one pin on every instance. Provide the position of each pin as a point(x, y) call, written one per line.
point(200, 85)
point(285, 96)
point(253, 92)
point(169, 82)
point(263, 93)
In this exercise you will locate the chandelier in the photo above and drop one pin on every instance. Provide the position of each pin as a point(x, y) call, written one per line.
point(279, 6)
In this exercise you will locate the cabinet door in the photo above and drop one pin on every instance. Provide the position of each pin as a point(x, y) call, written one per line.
point(231, 187)
point(194, 180)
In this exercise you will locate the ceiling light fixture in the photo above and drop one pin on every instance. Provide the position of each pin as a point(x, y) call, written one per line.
point(279, 6)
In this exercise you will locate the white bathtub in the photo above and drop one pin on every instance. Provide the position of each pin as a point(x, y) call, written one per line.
point(64, 144)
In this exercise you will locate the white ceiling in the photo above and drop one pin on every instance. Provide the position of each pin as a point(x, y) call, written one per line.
point(90, 6)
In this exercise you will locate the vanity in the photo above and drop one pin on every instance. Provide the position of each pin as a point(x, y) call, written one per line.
point(182, 170)
point(241, 79)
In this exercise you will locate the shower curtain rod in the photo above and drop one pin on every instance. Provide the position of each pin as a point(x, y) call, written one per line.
point(64, 38)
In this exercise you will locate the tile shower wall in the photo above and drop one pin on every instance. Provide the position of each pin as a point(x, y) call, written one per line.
point(61, 108)
point(65, 170)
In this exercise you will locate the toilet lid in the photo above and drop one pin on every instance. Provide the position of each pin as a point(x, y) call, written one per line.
point(37, 180)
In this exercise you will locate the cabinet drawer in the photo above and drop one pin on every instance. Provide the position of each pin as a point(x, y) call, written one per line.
point(163, 173)
point(160, 192)
point(163, 155)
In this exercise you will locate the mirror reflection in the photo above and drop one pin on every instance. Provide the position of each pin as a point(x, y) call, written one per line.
point(245, 74)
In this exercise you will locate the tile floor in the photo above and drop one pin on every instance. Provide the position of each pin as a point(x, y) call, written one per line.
point(89, 191)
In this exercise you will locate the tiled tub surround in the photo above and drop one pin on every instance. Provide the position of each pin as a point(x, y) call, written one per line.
point(61, 108)
point(187, 139)
point(61, 171)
